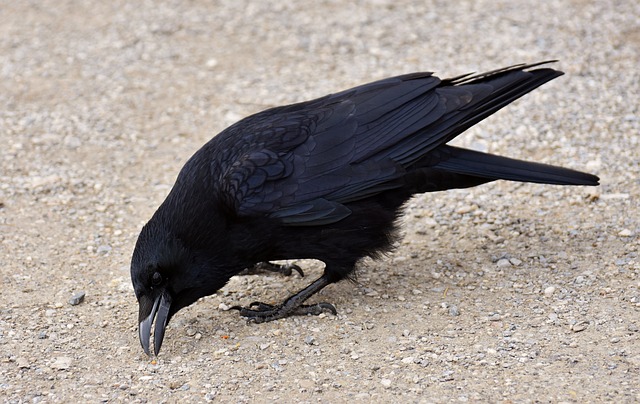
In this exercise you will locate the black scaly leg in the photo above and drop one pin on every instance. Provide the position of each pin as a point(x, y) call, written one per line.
point(262, 312)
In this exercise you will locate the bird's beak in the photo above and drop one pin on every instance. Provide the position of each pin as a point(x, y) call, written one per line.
point(158, 309)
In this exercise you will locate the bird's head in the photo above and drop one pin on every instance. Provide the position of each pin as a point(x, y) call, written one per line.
point(167, 276)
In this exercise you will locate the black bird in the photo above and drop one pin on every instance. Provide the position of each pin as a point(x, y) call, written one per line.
point(324, 179)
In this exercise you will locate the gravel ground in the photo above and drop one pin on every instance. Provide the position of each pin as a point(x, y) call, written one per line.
point(506, 292)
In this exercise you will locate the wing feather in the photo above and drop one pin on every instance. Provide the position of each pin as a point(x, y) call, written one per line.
point(302, 163)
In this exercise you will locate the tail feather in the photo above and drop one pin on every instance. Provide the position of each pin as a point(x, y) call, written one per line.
point(492, 167)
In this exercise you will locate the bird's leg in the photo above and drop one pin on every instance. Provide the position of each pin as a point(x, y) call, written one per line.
point(262, 312)
point(266, 267)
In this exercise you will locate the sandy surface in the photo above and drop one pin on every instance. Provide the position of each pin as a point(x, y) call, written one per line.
point(505, 292)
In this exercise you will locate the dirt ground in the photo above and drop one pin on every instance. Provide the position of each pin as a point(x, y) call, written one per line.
point(504, 293)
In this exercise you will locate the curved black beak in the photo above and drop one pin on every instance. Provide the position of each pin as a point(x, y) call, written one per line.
point(148, 310)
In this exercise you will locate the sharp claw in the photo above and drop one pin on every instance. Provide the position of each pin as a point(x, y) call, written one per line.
point(297, 269)
point(328, 306)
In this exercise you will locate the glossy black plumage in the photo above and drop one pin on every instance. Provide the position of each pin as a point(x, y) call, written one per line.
point(323, 179)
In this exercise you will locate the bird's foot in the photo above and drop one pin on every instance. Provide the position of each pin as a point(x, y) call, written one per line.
point(262, 312)
point(269, 267)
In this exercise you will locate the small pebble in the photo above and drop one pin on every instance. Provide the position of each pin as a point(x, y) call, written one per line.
point(386, 383)
point(625, 233)
point(580, 326)
point(174, 384)
point(77, 298)
point(549, 291)
point(103, 249)
point(503, 263)
point(465, 209)
point(453, 310)
point(370, 292)
point(309, 340)
point(23, 363)
point(61, 363)
point(211, 63)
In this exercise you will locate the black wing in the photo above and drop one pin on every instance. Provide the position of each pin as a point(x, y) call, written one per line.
point(302, 163)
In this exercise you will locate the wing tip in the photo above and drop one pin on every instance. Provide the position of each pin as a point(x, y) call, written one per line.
point(468, 77)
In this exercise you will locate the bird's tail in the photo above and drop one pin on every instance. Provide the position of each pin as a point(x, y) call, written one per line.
point(491, 167)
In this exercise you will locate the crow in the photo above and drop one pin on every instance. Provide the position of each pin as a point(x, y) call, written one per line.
point(324, 179)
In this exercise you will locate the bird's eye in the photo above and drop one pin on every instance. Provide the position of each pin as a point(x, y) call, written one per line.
point(156, 279)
